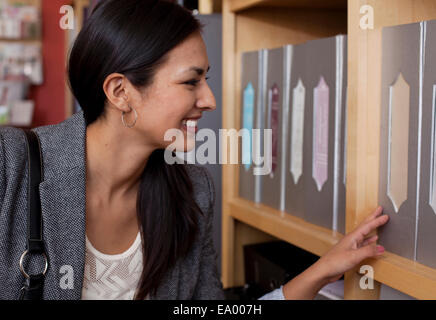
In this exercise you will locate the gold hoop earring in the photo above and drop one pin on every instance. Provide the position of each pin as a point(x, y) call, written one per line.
point(136, 117)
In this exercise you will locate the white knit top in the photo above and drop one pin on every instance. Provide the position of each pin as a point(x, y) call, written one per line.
point(116, 277)
point(112, 277)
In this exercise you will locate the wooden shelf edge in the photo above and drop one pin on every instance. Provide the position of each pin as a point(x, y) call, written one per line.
point(239, 5)
point(281, 225)
point(407, 276)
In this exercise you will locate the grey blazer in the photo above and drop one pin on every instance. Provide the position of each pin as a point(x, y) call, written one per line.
point(63, 209)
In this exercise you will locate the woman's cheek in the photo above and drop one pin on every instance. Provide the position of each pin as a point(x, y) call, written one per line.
point(172, 136)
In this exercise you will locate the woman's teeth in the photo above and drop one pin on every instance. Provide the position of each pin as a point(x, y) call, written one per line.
point(190, 125)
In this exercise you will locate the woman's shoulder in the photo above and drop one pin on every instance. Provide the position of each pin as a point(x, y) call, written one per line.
point(12, 146)
point(12, 140)
point(11, 137)
point(203, 185)
point(199, 175)
point(13, 157)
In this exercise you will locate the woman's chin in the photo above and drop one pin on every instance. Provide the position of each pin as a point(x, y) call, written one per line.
point(188, 147)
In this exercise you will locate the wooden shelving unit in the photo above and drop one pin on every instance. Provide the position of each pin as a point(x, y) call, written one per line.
point(255, 24)
point(284, 226)
point(239, 5)
point(209, 6)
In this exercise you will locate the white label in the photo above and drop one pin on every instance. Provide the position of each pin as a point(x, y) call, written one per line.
point(299, 94)
point(398, 156)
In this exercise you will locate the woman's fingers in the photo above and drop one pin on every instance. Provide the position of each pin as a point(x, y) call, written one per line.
point(359, 234)
point(370, 226)
point(369, 240)
point(373, 215)
point(370, 251)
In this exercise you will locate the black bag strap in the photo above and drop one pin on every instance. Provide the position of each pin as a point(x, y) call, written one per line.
point(35, 243)
point(32, 289)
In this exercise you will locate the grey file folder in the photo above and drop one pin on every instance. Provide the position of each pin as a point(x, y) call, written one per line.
point(399, 136)
point(341, 140)
point(324, 126)
point(273, 102)
point(426, 237)
point(251, 81)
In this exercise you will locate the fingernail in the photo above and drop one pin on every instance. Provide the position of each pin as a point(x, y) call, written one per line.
point(380, 249)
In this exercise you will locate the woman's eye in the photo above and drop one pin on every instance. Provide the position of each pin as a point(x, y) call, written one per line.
point(192, 82)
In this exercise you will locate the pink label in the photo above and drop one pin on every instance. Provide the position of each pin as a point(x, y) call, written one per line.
point(274, 124)
point(320, 133)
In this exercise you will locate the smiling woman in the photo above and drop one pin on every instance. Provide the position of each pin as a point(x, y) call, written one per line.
point(145, 61)
point(127, 223)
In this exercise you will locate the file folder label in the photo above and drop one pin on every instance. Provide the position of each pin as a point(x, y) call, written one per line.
point(399, 105)
point(320, 133)
point(298, 100)
point(248, 118)
point(273, 123)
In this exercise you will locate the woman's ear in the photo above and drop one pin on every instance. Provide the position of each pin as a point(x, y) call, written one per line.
point(115, 88)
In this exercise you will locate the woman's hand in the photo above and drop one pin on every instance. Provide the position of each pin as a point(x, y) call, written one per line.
point(353, 248)
point(345, 255)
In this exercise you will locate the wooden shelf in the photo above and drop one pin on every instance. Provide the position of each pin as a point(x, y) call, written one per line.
point(407, 276)
point(239, 5)
point(364, 101)
point(267, 24)
point(284, 226)
point(209, 6)
point(255, 24)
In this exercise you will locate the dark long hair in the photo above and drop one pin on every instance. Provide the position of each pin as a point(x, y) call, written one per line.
point(133, 37)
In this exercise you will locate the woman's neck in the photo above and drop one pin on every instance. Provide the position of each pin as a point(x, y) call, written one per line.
point(115, 160)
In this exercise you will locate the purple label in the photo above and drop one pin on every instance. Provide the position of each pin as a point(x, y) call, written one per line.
point(274, 124)
point(320, 133)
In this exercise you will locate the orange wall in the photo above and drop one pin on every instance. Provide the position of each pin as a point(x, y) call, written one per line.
point(50, 97)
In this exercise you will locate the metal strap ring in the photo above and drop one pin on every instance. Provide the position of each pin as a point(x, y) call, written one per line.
point(22, 268)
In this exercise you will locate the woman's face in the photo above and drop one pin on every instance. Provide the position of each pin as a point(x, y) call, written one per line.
point(177, 97)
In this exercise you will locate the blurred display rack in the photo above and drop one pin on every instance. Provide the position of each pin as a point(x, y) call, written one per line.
point(37, 41)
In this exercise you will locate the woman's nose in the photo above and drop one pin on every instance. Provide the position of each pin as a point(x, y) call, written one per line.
point(207, 100)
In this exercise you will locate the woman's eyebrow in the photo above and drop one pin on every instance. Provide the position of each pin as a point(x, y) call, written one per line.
point(199, 70)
